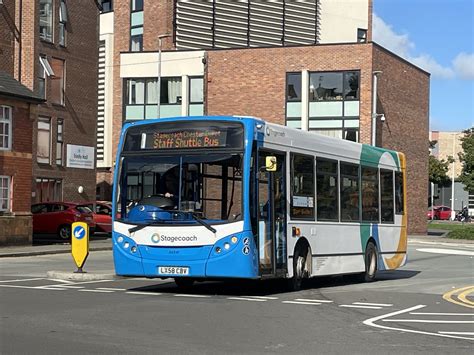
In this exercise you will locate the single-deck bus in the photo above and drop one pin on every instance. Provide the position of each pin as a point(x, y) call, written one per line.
point(213, 197)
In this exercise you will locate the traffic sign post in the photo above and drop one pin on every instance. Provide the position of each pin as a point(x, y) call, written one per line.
point(79, 244)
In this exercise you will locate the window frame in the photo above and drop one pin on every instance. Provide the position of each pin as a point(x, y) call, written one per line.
point(7, 121)
point(132, 27)
point(51, 22)
point(9, 190)
point(399, 205)
point(60, 142)
point(292, 119)
point(381, 208)
point(359, 200)
point(313, 195)
point(190, 78)
point(43, 119)
point(377, 194)
point(62, 84)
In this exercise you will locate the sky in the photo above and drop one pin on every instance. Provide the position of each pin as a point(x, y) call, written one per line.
point(438, 36)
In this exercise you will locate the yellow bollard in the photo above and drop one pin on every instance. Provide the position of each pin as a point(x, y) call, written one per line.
point(79, 244)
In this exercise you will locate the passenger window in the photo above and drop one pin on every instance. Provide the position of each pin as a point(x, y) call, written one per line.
point(370, 194)
point(326, 187)
point(386, 196)
point(349, 192)
point(302, 192)
point(399, 193)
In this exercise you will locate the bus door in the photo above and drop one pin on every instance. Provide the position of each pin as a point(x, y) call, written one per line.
point(271, 215)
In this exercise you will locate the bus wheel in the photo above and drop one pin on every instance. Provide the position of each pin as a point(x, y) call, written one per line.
point(183, 282)
point(299, 270)
point(370, 262)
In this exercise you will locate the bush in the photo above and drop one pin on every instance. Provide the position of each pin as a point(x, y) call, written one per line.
point(462, 233)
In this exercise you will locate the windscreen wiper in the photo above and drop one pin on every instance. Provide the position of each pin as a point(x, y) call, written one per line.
point(195, 217)
point(205, 224)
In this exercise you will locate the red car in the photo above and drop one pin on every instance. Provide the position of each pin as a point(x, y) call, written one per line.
point(102, 215)
point(57, 217)
point(440, 212)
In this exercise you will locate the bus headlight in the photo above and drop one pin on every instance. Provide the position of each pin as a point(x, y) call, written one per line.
point(226, 246)
point(234, 239)
point(126, 245)
point(218, 250)
point(120, 239)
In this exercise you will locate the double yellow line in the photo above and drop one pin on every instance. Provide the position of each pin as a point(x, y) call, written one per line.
point(461, 294)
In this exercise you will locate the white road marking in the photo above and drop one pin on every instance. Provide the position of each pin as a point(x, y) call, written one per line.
point(371, 322)
point(111, 289)
point(441, 314)
point(246, 299)
point(263, 297)
point(19, 280)
point(51, 288)
point(312, 300)
point(428, 321)
point(301, 302)
point(186, 295)
point(67, 286)
point(143, 293)
point(356, 306)
point(35, 287)
point(446, 251)
point(373, 304)
point(457, 333)
point(443, 244)
point(100, 291)
point(63, 281)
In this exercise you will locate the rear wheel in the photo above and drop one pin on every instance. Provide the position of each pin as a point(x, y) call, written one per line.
point(64, 232)
point(184, 282)
point(370, 263)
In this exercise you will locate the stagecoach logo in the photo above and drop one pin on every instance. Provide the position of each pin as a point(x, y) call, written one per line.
point(155, 238)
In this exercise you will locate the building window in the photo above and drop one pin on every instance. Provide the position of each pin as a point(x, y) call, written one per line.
point(5, 128)
point(196, 96)
point(107, 6)
point(62, 22)
point(327, 190)
point(44, 70)
point(43, 151)
point(170, 92)
point(136, 26)
point(302, 192)
point(141, 98)
point(48, 190)
point(46, 20)
point(361, 35)
point(293, 100)
point(60, 143)
point(57, 81)
point(5, 191)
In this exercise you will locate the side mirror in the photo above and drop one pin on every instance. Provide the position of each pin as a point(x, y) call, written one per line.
point(271, 163)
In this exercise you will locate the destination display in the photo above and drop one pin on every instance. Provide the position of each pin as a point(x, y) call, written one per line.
point(187, 139)
point(184, 135)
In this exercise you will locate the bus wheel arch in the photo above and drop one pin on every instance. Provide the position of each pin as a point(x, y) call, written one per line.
point(302, 264)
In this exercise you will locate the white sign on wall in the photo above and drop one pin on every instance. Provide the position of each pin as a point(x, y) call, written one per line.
point(80, 156)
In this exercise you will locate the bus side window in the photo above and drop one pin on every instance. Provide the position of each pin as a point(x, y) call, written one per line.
point(370, 194)
point(399, 193)
point(302, 189)
point(386, 196)
point(327, 190)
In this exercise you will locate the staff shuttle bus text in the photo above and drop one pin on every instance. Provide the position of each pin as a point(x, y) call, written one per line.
point(217, 197)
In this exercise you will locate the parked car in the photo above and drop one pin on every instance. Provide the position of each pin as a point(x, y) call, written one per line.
point(440, 212)
point(57, 217)
point(102, 215)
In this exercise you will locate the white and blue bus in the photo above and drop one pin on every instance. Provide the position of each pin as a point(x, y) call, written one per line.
point(214, 197)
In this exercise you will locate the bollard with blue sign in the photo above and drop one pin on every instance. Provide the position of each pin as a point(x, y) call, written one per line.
point(80, 244)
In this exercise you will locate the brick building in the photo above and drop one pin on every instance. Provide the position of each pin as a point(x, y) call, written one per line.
point(50, 46)
point(18, 106)
point(304, 64)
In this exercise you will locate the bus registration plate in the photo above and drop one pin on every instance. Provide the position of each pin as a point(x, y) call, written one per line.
point(173, 270)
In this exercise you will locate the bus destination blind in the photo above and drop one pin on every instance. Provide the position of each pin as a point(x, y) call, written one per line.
point(187, 139)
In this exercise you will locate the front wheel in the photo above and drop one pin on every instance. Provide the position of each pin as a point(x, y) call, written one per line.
point(299, 270)
point(64, 232)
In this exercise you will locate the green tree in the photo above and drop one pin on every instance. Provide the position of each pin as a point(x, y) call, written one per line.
point(438, 171)
point(467, 159)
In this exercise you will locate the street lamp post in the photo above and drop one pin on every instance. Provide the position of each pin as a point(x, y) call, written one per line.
point(374, 108)
point(158, 91)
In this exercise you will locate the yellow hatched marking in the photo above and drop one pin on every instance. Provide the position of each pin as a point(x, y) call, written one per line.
point(463, 293)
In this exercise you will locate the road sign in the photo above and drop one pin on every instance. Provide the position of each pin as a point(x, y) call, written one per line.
point(80, 243)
